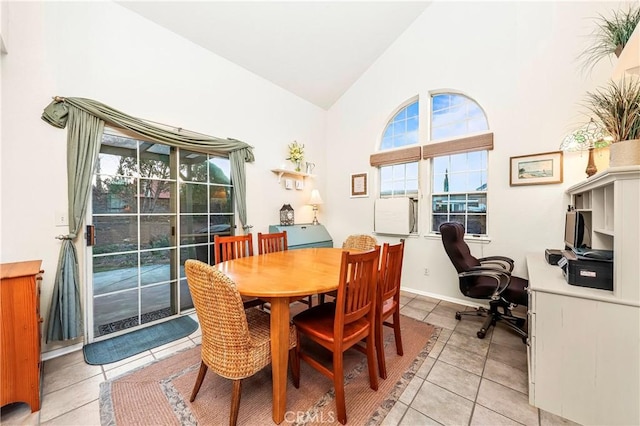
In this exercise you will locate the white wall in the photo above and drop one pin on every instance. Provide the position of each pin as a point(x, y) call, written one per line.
point(517, 60)
point(102, 51)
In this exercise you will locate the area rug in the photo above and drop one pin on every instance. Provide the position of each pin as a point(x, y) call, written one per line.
point(158, 394)
point(126, 345)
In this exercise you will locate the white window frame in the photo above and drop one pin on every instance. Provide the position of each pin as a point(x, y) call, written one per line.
point(433, 194)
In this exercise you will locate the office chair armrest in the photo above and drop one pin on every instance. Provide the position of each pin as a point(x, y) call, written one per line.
point(502, 277)
point(501, 261)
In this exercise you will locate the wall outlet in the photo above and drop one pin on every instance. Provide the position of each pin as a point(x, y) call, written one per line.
point(426, 272)
point(60, 218)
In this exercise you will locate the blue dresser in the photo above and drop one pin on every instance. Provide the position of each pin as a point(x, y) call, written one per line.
point(304, 235)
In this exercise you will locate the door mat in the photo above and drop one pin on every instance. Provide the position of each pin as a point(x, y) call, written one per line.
point(126, 345)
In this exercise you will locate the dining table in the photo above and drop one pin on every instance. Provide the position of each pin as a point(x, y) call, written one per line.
point(281, 278)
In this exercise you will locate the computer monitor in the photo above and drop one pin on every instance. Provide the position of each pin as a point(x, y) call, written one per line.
point(573, 230)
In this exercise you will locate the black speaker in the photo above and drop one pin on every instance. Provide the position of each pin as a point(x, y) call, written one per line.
point(552, 256)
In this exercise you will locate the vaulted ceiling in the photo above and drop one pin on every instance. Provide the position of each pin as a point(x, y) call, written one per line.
point(315, 50)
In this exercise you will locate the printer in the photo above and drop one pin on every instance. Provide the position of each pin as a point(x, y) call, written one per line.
point(588, 268)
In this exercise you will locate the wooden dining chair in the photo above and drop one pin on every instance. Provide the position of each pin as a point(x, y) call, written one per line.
point(230, 247)
point(341, 325)
point(269, 243)
point(277, 241)
point(388, 300)
point(360, 242)
point(236, 341)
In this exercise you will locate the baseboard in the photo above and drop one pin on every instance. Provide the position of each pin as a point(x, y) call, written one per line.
point(61, 351)
point(464, 302)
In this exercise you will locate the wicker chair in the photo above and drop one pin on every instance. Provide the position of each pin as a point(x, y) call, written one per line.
point(232, 247)
point(235, 341)
point(360, 242)
point(277, 241)
point(341, 325)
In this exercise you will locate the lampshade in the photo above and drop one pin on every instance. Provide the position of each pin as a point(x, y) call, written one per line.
point(315, 198)
point(586, 137)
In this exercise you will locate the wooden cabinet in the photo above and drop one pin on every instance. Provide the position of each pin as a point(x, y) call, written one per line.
point(584, 343)
point(21, 333)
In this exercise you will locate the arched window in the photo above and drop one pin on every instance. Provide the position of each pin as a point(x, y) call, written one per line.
point(402, 129)
point(459, 165)
point(399, 154)
point(398, 157)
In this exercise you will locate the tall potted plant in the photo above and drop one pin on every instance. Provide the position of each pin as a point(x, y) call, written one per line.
point(610, 36)
point(616, 108)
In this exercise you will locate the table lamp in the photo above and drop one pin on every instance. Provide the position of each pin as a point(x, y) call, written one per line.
point(314, 201)
point(586, 138)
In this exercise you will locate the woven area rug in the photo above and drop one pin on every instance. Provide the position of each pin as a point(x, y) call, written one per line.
point(121, 347)
point(159, 393)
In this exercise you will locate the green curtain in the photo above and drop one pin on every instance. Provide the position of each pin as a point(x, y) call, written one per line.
point(85, 119)
point(83, 145)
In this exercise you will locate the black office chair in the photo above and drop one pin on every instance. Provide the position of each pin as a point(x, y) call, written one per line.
point(486, 278)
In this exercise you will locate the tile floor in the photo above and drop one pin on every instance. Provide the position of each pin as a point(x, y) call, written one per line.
point(464, 381)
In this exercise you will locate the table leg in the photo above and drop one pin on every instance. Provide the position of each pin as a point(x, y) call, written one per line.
point(279, 355)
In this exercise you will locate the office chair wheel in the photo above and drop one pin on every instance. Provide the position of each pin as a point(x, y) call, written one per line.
point(481, 334)
point(458, 316)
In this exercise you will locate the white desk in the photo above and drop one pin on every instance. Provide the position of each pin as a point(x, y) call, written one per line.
point(584, 349)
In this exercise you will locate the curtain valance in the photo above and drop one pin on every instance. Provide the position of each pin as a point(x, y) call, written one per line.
point(85, 120)
point(57, 113)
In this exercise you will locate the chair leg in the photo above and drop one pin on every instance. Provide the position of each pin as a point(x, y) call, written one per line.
point(382, 367)
point(294, 362)
point(338, 384)
point(235, 402)
point(295, 366)
point(396, 332)
point(371, 362)
point(320, 299)
point(201, 374)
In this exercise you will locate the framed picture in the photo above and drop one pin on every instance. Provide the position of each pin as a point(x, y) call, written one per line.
point(536, 169)
point(359, 185)
point(288, 183)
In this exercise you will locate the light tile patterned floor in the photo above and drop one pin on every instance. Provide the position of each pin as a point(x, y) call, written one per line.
point(464, 381)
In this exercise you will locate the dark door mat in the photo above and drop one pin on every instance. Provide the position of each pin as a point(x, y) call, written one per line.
point(126, 345)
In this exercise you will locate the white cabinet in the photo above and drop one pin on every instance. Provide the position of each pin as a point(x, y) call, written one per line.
point(629, 60)
point(584, 343)
point(610, 202)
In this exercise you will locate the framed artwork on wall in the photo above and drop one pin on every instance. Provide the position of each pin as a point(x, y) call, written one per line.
point(359, 185)
point(536, 169)
point(288, 183)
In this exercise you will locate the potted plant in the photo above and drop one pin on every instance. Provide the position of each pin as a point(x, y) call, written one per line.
point(296, 155)
point(610, 36)
point(616, 108)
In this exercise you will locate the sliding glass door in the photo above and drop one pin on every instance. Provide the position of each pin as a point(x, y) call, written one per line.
point(152, 208)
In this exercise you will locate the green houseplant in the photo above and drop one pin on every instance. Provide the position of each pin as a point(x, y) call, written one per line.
point(610, 36)
point(296, 154)
point(616, 109)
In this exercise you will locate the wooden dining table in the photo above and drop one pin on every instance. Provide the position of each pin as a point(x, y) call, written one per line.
point(281, 278)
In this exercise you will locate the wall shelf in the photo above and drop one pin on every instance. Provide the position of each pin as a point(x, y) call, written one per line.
point(285, 172)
